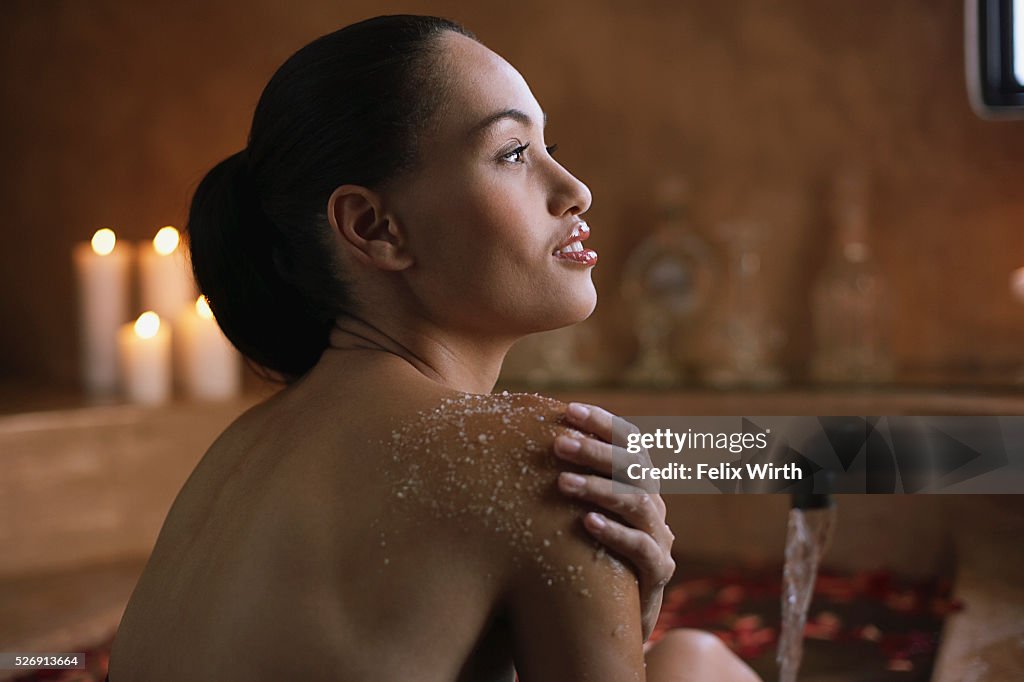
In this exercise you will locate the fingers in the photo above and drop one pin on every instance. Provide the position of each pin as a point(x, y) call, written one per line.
point(598, 421)
point(637, 508)
point(653, 560)
point(586, 452)
point(603, 457)
point(659, 504)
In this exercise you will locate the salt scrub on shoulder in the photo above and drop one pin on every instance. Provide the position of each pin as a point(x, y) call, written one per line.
point(453, 462)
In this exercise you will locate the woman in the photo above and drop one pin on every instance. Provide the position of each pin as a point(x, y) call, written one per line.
point(394, 225)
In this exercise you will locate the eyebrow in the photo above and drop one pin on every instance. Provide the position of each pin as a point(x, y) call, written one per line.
point(514, 114)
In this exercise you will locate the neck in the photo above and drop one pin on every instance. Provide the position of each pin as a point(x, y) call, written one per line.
point(462, 363)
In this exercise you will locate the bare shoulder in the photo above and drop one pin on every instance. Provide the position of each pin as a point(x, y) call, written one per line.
point(475, 454)
point(486, 463)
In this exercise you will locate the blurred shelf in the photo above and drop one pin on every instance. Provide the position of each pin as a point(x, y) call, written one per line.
point(798, 401)
point(25, 397)
point(812, 400)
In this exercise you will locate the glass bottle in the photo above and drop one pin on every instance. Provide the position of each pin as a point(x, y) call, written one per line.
point(666, 281)
point(747, 340)
point(851, 306)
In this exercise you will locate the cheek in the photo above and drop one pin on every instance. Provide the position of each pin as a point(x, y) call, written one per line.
point(478, 229)
point(483, 253)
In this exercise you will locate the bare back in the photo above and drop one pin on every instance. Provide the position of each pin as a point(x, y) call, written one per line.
point(365, 529)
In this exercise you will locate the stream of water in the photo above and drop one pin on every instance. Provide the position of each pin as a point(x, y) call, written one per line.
point(807, 539)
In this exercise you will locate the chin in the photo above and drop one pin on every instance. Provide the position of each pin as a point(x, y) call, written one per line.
point(572, 310)
point(588, 303)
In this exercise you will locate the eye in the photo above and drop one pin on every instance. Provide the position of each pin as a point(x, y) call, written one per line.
point(520, 151)
point(517, 152)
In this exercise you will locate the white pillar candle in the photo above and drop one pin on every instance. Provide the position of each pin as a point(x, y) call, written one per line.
point(166, 282)
point(101, 268)
point(209, 366)
point(145, 351)
point(1017, 284)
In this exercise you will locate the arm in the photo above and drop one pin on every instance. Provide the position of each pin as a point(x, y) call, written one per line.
point(575, 611)
point(637, 530)
point(573, 607)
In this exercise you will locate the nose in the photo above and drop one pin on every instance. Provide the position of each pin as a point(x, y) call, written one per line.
point(569, 194)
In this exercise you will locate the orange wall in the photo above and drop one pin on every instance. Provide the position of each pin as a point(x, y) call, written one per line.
point(113, 111)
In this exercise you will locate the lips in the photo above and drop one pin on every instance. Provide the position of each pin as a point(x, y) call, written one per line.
point(580, 232)
point(572, 248)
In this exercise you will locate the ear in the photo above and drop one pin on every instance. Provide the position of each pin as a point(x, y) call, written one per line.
point(366, 231)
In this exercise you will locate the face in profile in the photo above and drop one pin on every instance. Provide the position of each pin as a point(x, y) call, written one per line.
point(488, 207)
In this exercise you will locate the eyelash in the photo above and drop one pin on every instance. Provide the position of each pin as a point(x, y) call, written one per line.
point(522, 148)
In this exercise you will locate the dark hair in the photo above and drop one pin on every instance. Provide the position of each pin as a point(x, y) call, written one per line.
point(346, 109)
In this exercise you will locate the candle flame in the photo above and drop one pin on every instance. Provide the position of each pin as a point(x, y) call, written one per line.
point(103, 241)
point(147, 325)
point(203, 308)
point(166, 240)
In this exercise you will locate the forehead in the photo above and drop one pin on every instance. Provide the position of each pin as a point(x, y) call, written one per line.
point(481, 84)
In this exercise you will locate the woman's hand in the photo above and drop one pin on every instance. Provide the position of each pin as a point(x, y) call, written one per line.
point(645, 539)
